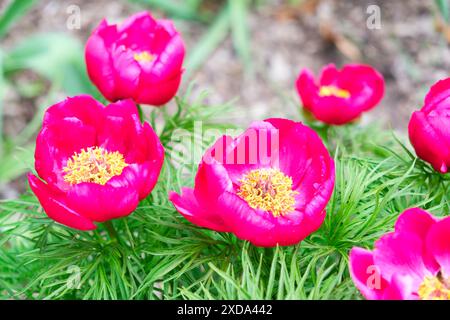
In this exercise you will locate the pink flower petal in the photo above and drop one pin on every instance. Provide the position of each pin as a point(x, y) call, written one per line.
point(366, 274)
point(401, 253)
point(112, 67)
point(438, 242)
point(56, 208)
point(99, 65)
point(210, 182)
point(427, 142)
point(401, 287)
point(188, 206)
point(100, 203)
point(364, 83)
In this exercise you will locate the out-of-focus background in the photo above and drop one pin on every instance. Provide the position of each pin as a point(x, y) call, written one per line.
point(247, 51)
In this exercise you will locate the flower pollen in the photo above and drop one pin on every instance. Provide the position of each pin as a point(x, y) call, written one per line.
point(95, 165)
point(327, 91)
point(434, 288)
point(143, 56)
point(268, 190)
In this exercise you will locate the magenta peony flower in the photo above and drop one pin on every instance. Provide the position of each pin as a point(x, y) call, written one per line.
point(140, 59)
point(95, 162)
point(429, 128)
point(269, 185)
point(340, 96)
point(413, 262)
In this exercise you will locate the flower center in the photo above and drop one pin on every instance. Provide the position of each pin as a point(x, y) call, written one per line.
point(143, 56)
point(268, 190)
point(327, 91)
point(435, 288)
point(95, 165)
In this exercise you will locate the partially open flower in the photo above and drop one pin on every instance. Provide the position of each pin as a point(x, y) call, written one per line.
point(340, 96)
point(429, 128)
point(269, 185)
point(95, 162)
point(413, 262)
point(140, 59)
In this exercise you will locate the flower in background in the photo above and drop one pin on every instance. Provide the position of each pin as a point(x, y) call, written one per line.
point(140, 59)
point(413, 262)
point(95, 162)
point(340, 96)
point(269, 185)
point(429, 128)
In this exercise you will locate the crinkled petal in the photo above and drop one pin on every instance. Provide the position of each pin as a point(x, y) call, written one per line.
point(127, 73)
point(122, 128)
point(137, 30)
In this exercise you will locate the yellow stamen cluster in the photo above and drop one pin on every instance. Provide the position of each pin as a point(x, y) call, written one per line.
point(95, 165)
point(268, 190)
point(143, 56)
point(434, 288)
point(327, 91)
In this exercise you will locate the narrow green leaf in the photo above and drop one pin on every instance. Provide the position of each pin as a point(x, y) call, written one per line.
point(239, 28)
point(208, 43)
point(174, 9)
point(12, 13)
point(444, 9)
point(2, 92)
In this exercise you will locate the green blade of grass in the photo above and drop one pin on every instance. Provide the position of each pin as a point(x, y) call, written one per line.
point(239, 28)
point(209, 42)
point(174, 9)
point(2, 85)
point(444, 9)
point(12, 13)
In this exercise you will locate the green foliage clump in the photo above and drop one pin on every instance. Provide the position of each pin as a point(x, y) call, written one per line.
point(156, 254)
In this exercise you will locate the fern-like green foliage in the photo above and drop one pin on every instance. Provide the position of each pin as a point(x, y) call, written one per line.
point(156, 254)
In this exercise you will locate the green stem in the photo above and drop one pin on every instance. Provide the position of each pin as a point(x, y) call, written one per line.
point(141, 113)
point(111, 231)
